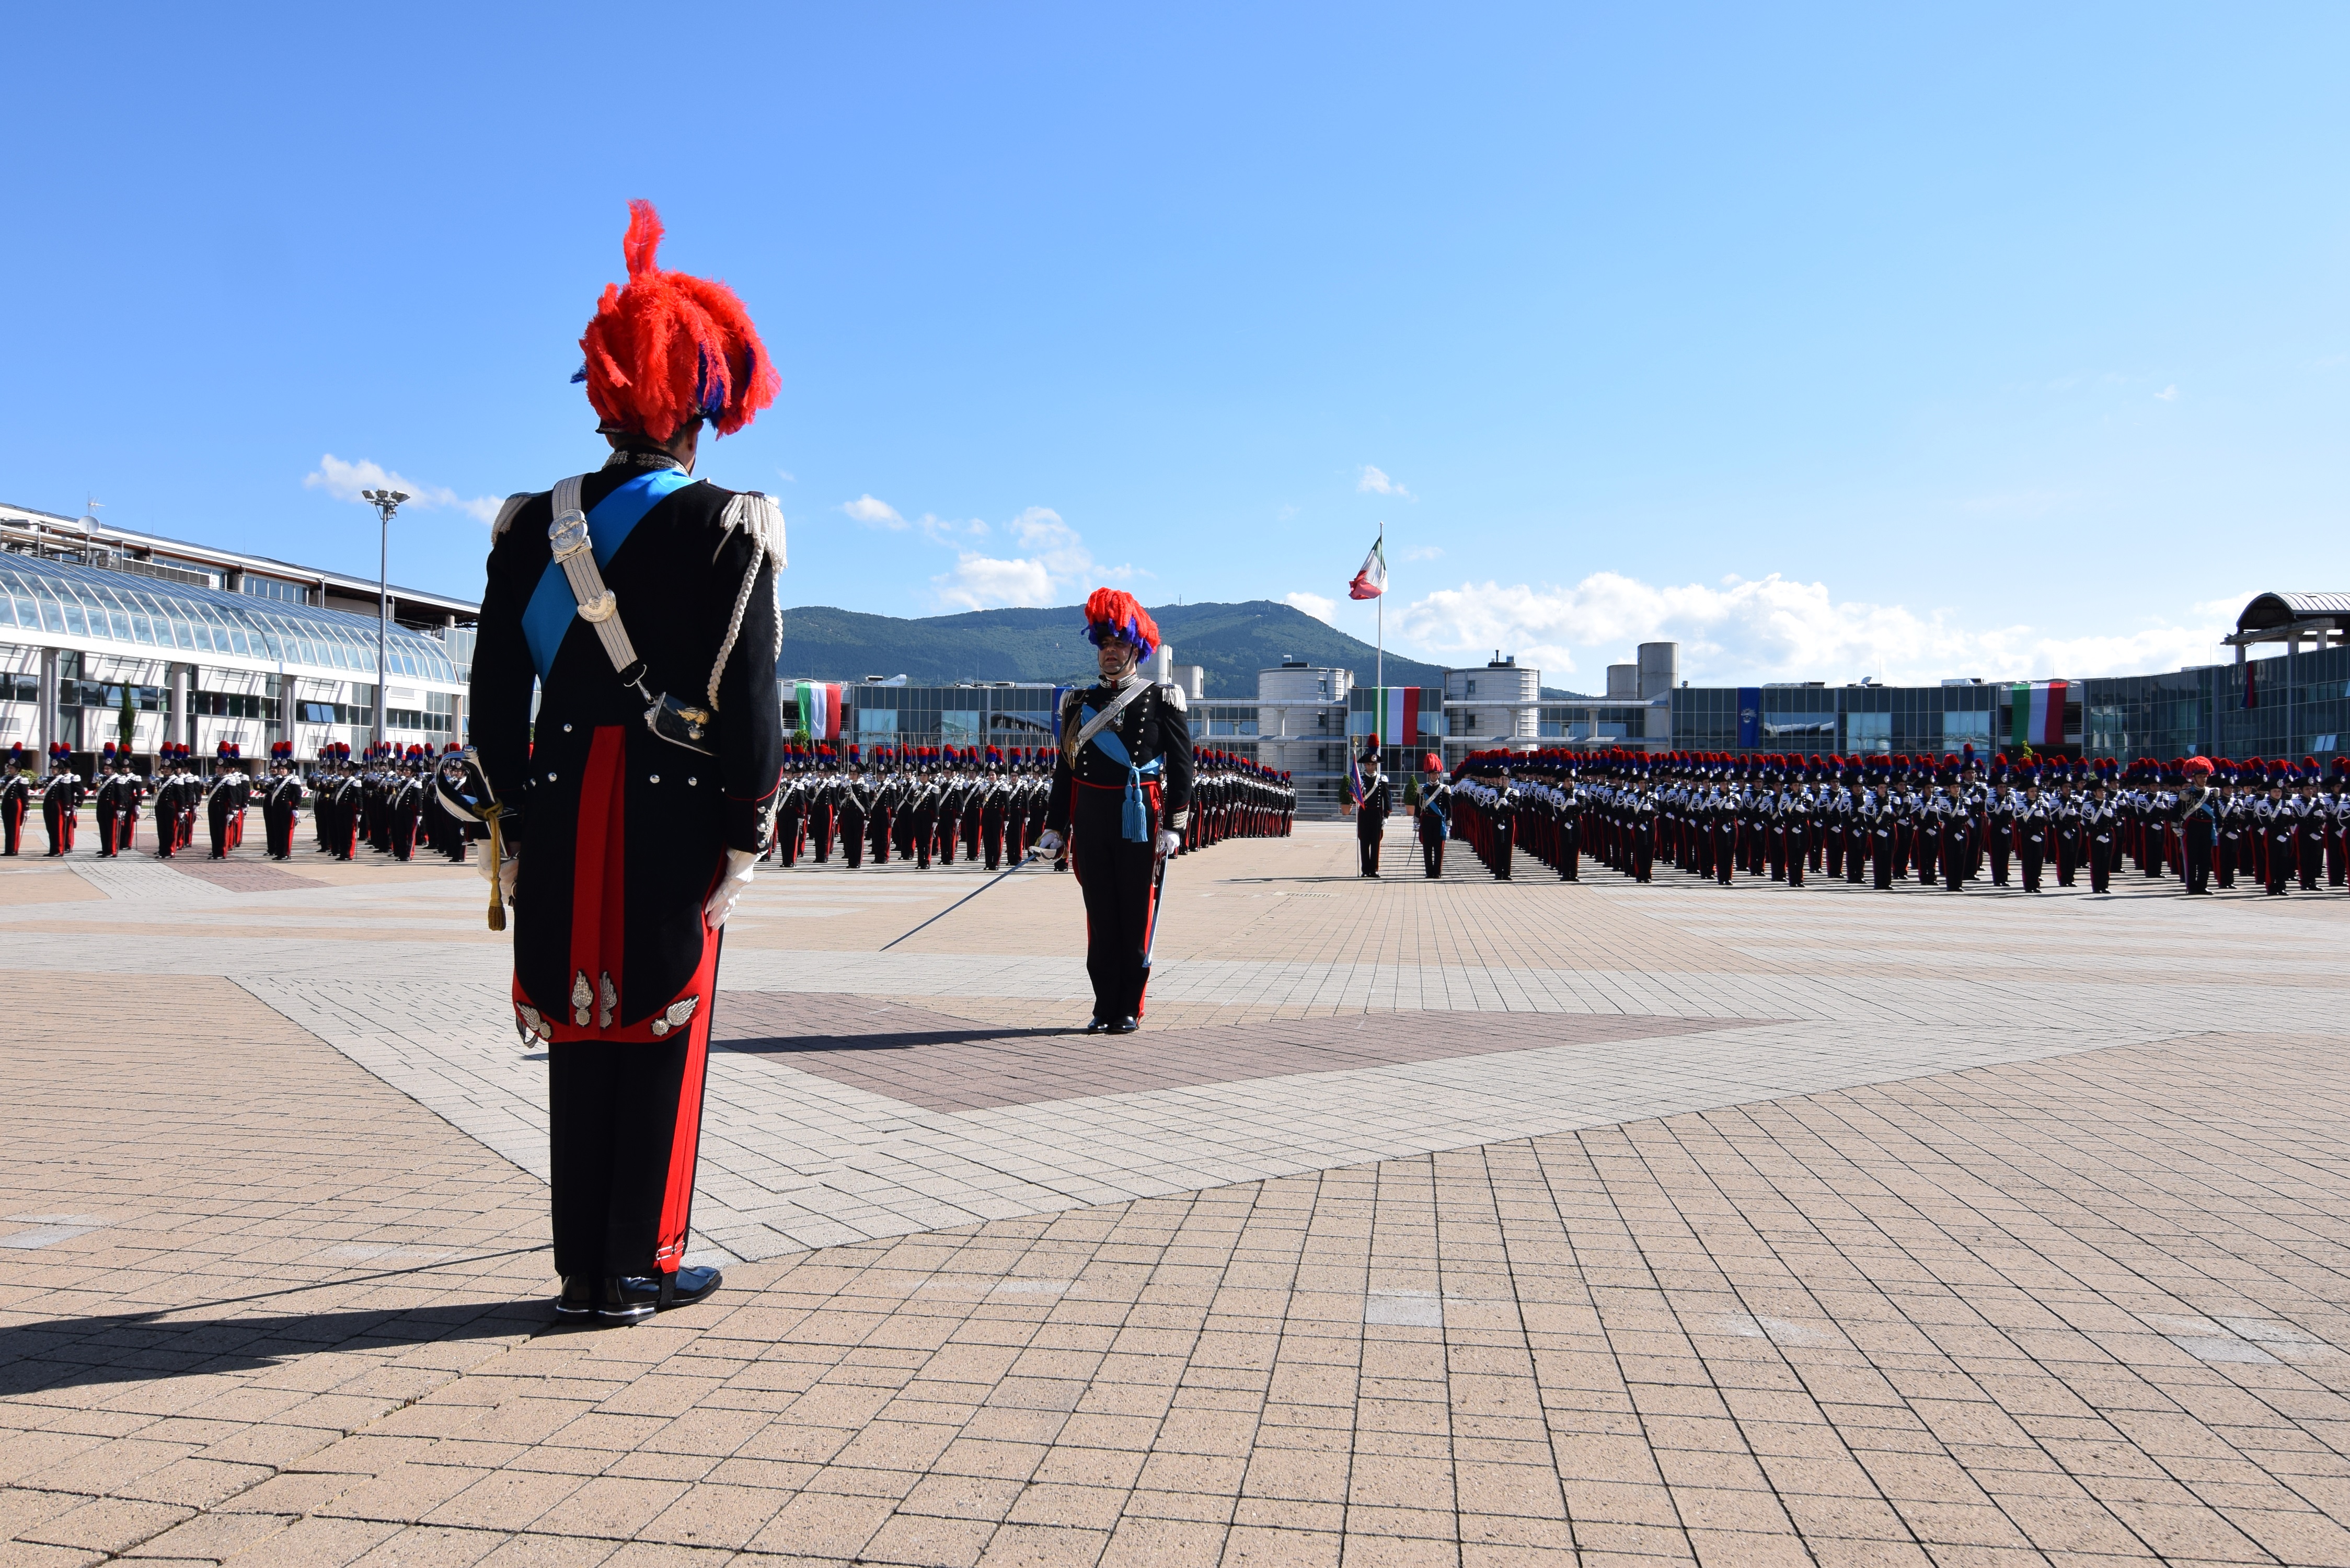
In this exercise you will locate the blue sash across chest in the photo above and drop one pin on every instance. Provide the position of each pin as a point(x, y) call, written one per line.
point(552, 609)
point(1134, 816)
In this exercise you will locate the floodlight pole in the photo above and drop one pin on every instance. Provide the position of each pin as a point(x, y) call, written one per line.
point(386, 503)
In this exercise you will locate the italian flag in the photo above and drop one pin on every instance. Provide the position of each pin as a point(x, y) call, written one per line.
point(1396, 715)
point(2036, 713)
point(1372, 580)
point(819, 704)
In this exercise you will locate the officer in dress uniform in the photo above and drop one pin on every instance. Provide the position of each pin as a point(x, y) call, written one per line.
point(1121, 799)
point(16, 800)
point(1371, 812)
point(2199, 825)
point(856, 810)
point(281, 800)
point(1435, 817)
point(61, 800)
point(642, 798)
point(223, 800)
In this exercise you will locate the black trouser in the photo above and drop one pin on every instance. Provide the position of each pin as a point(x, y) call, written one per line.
point(12, 827)
point(2280, 858)
point(106, 829)
point(852, 839)
point(60, 822)
point(622, 1119)
point(2031, 856)
point(1725, 857)
point(1956, 856)
point(2226, 859)
point(1119, 879)
point(820, 833)
point(991, 836)
point(1884, 860)
point(1431, 843)
point(2101, 865)
point(1120, 882)
point(278, 822)
point(1366, 852)
point(2313, 859)
point(2002, 841)
point(1794, 860)
point(2199, 857)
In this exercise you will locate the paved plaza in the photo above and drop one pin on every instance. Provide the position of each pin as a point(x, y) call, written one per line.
point(1453, 1222)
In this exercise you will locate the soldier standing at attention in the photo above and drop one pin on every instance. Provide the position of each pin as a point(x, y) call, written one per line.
point(856, 806)
point(1436, 818)
point(14, 796)
point(280, 801)
point(1121, 798)
point(642, 603)
point(61, 800)
point(1371, 812)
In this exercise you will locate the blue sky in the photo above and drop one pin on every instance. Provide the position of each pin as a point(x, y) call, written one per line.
point(1829, 341)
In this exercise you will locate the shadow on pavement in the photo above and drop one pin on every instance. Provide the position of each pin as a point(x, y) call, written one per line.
point(138, 1347)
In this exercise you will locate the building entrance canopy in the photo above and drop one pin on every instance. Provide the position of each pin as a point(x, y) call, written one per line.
point(56, 603)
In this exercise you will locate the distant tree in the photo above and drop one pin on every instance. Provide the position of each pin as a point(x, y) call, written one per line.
point(126, 724)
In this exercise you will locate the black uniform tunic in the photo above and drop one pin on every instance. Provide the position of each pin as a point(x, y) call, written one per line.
point(1119, 875)
point(622, 837)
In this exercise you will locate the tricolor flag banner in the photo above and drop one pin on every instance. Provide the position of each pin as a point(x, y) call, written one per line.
point(1398, 715)
point(819, 703)
point(2036, 713)
point(1372, 580)
point(1354, 776)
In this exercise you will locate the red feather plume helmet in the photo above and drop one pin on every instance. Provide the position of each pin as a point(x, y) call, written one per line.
point(668, 348)
point(1113, 613)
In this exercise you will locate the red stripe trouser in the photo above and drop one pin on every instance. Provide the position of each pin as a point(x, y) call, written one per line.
point(624, 1115)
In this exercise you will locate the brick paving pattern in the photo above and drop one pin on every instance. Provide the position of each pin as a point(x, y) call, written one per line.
point(1452, 1223)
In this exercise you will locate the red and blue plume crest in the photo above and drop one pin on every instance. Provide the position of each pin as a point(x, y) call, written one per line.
point(1114, 613)
point(668, 348)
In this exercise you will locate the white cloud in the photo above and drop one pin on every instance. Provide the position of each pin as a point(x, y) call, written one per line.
point(2169, 394)
point(787, 476)
point(1423, 552)
point(873, 513)
point(344, 481)
point(1743, 631)
point(1053, 564)
point(1374, 481)
point(1313, 605)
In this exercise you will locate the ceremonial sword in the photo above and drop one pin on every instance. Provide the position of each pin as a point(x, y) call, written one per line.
point(1022, 865)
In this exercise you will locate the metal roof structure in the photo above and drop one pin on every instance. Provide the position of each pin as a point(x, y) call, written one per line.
point(62, 605)
point(2322, 618)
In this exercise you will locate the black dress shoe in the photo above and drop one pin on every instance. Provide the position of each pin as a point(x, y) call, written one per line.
point(629, 1299)
point(689, 1286)
point(578, 1297)
point(1096, 1025)
point(1126, 1025)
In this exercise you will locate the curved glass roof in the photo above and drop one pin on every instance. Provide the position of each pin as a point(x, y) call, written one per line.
point(59, 598)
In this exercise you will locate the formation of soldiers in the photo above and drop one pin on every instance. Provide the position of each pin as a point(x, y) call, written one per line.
point(384, 798)
point(927, 804)
point(1946, 821)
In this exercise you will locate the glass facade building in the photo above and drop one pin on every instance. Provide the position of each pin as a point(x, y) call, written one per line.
point(207, 664)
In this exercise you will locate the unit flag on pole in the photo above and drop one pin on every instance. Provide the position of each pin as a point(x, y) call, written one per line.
point(1372, 580)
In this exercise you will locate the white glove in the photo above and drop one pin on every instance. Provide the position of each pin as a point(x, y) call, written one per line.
point(1048, 845)
point(1168, 843)
point(740, 865)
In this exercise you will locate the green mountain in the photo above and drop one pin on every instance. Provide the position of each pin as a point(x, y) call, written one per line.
point(1230, 642)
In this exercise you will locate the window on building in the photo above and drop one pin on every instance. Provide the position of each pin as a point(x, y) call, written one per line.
point(1967, 729)
point(1869, 731)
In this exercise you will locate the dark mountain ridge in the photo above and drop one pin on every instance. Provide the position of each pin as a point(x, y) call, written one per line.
point(1230, 642)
